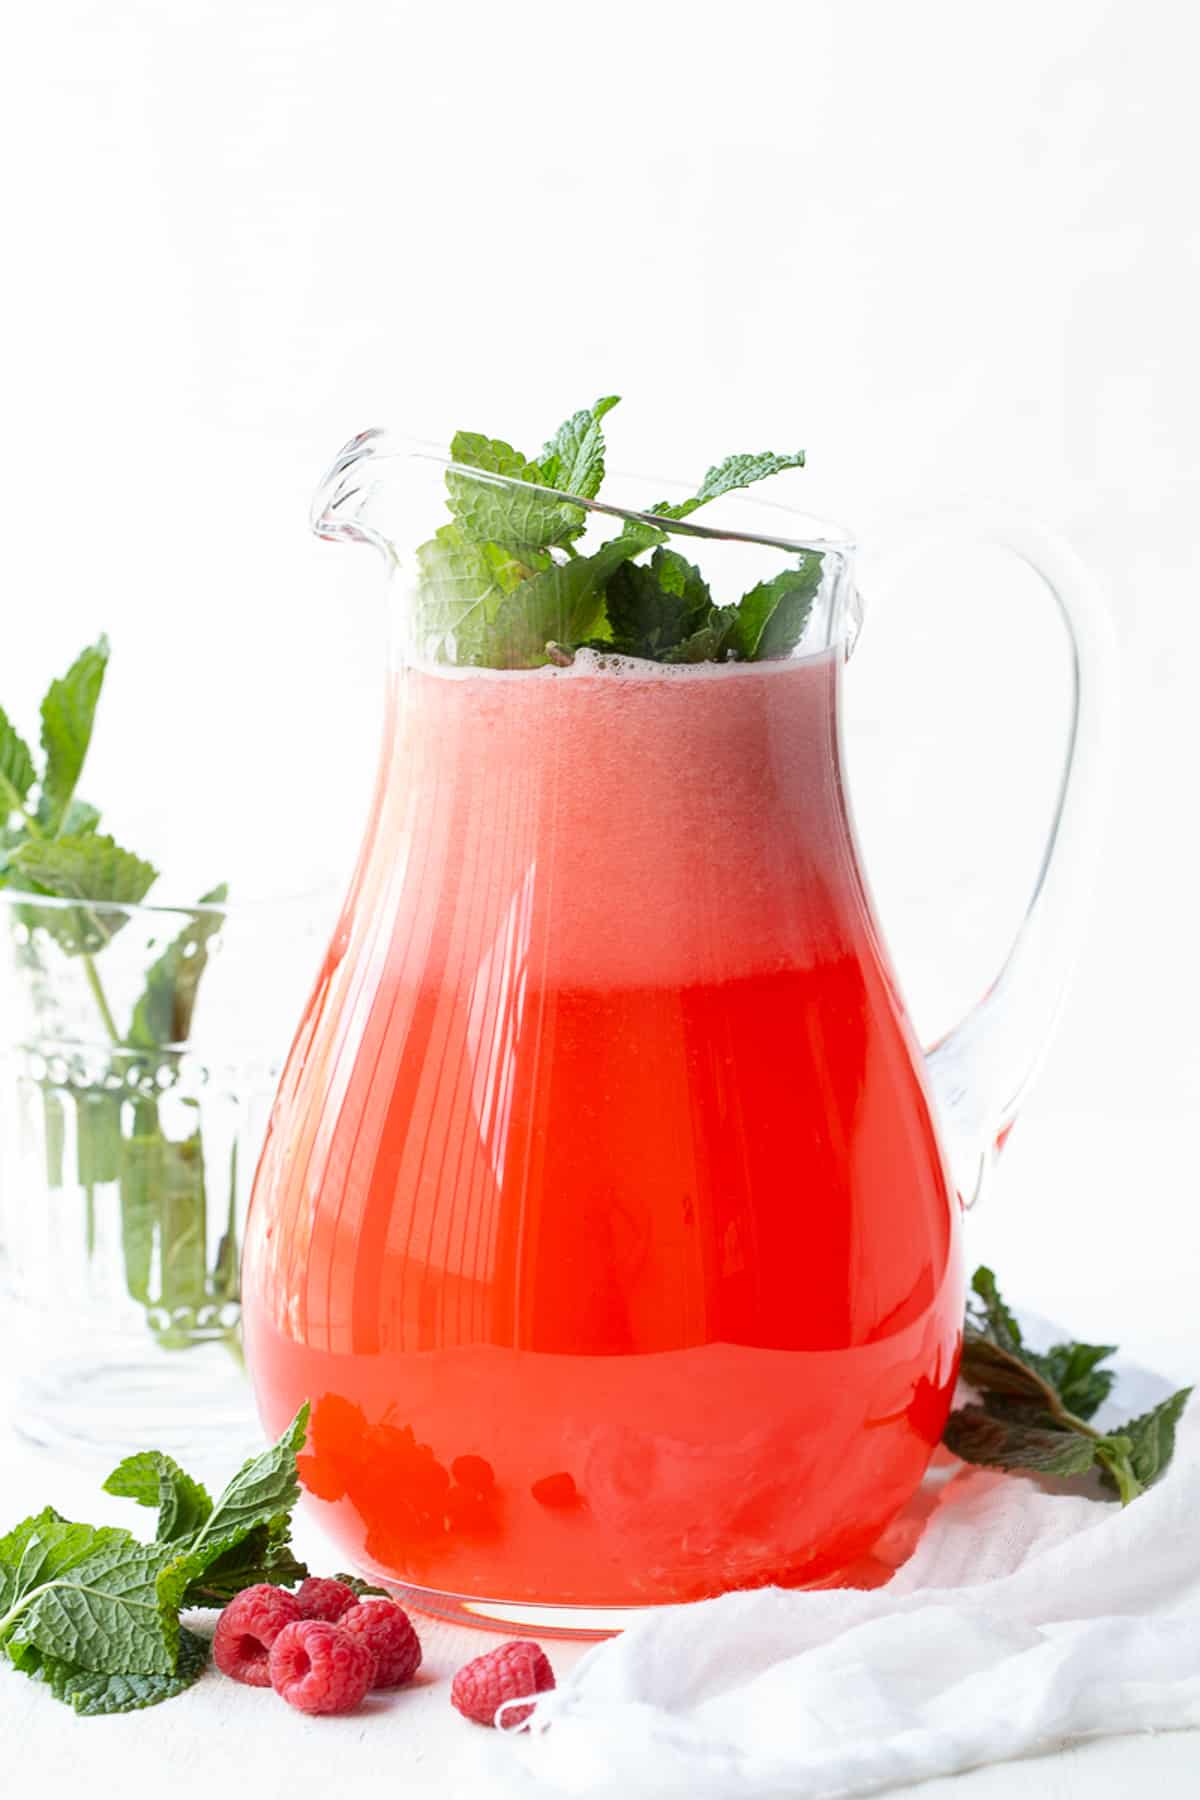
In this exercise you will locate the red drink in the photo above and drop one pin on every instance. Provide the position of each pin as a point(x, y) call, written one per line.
point(602, 1218)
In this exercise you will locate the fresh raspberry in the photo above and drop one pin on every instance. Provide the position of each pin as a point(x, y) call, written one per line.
point(556, 1490)
point(515, 1669)
point(248, 1627)
point(387, 1629)
point(474, 1473)
point(321, 1597)
point(319, 1668)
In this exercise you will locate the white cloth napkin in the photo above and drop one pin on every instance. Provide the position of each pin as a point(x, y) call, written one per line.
point(1023, 1618)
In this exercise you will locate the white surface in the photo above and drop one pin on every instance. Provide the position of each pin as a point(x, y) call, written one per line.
point(414, 1743)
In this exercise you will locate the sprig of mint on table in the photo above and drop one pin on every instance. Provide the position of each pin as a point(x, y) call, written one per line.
point(1034, 1407)
point(94, 1612)
point(51, 845)
point(504, 586)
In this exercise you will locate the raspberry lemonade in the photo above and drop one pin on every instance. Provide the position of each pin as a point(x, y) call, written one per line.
point(602, 1218)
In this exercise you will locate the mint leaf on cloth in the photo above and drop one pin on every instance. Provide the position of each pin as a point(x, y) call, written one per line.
point(1151, 1437)
point(976, 1436)
point(573, 460)
point(154, 1479)
point(68, 714)
point(1035, 1406)
point(498, 512)
point(16, 768)
point(163, 1014)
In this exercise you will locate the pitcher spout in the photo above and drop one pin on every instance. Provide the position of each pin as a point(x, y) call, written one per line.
point(347, 498)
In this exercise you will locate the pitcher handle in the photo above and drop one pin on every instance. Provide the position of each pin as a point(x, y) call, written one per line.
point(981, 1069)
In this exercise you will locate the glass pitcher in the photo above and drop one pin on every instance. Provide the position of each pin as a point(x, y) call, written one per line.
point(609, 1214)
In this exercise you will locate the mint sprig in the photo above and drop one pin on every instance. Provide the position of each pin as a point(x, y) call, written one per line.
point(54, 849)
point(504, 584)
point(1034, 1407)
point(95, 1613)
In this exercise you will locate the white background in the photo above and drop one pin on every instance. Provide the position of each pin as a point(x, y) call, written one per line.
point(950, 249)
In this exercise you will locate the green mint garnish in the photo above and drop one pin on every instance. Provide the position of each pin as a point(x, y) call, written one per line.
point(94, 1612)
point(724, 477)
point(504, 585)
point(1035, 1406)
point(495, 513)
point(573, 460)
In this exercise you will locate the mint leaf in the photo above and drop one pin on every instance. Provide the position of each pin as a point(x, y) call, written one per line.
point(154, 1479)
point(95, 1614)
point(163, 1014)
point(712, 643)
point(362, 1588)
point(977, 1437)
point(263, 1492)
point(560, 605)
point(988, 1316)
point(1151, 1437)
point(89, 868)
point(263, 1555)
point(497, 513)
point(1071, 1370)
point(460, 585)
point(16, 768)
point(38, 1549)
point(573, 460)
point(772, 616)
point(79, 819)
point(740, 471)
point(652, 609)
point(92, 1694)
point(113, 1610)
point(68, 713)
point(1036, 1405)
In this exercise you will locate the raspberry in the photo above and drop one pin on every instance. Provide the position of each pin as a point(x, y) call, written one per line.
point(515, 1669)
point(474, 1473)
point(319, 1668)
point(386, 1629)
point(556, 1490)
point(322, 1597)
point(248, 1627)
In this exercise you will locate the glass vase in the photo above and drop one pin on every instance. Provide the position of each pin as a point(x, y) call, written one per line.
point(140, 1047)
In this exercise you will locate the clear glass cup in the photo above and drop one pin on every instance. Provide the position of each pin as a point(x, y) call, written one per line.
point(140, 1048)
